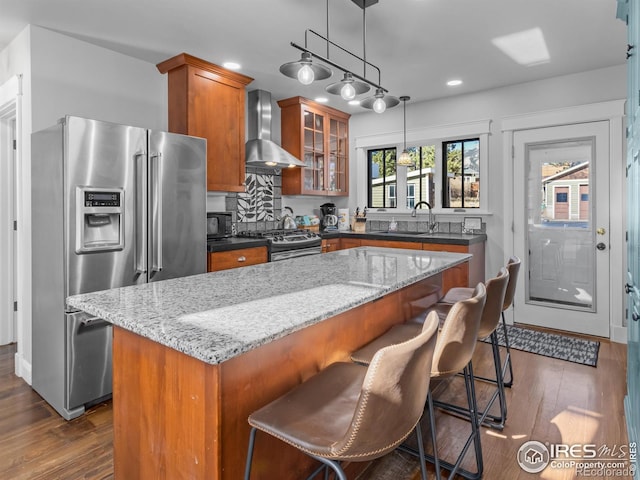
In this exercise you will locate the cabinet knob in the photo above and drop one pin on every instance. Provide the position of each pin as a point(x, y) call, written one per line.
point(242, 259)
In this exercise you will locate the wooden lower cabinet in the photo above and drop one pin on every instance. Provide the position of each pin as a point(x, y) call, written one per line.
point(467, 274)
point(391, 244)
point(350, 243)
point(330, 245)
point(236, 258)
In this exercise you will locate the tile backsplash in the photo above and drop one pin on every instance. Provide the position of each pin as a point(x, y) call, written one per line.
point(259, 206)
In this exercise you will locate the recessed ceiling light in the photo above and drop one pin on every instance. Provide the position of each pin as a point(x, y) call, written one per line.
point(231, 65)
point(526, 48)
point(322, 99)
point(354, 102)
point(454, 83)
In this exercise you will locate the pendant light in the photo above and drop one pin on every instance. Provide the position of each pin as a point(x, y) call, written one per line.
point(348, 87)
point(379, 102)
point(305, 70)
point(405, 158)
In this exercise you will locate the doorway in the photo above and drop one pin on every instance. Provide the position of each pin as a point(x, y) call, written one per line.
point(8, 244)
point(561, 231)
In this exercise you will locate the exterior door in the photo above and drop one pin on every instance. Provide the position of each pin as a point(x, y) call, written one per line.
point(565, 250)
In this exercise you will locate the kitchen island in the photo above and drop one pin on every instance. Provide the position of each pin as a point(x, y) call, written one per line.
point(194, 356)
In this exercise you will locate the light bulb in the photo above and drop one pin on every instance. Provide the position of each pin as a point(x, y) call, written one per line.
point(379, 106)
point(348, 92)
point(306, 75)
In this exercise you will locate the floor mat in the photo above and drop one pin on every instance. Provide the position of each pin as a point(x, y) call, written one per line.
point(552, 345)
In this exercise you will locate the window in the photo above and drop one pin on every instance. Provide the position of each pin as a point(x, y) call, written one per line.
point(420, 175)
point(382, 178)
point(562, 197)
point(426, 179)
point(461, 173)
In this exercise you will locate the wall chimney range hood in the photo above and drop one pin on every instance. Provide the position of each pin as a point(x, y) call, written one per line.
point(260, 150)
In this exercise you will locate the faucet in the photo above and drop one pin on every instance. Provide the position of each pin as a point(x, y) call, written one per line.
point(431, 225)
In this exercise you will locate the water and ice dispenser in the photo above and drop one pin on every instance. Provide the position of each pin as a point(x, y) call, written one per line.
point(99, 219)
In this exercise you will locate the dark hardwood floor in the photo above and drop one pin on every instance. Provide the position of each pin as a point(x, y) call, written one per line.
point(551, 401)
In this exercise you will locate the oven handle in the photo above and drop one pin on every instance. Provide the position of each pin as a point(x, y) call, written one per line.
point(287, 254)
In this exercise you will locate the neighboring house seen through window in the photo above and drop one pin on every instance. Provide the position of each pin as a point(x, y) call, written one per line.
point(382, 178)
point(447, 163)
point(461, 173)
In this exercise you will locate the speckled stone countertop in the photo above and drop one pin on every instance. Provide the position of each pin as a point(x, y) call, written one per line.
point(216, 316)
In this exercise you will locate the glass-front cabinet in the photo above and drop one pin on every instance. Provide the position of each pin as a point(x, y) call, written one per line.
point(319, 136)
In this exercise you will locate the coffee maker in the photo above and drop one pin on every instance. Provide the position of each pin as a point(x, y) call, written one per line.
point(329, 217)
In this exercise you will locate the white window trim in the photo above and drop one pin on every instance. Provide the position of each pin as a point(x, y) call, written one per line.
point(433, 135)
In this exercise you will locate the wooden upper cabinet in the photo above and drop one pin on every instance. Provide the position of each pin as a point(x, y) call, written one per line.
point(208, 101)
point(319, 136)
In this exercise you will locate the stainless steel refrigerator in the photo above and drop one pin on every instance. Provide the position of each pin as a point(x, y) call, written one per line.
point(112, 206)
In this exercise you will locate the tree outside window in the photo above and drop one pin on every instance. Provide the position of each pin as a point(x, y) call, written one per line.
point(420, 175)
point(461, 173)
point(382, 178)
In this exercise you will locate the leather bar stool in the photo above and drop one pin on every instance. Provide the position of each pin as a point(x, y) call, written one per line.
point(351, 412)
point(496, 291)
point(454, 350)
point(460, 293)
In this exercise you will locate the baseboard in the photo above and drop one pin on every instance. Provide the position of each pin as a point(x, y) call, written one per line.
point(22, 368)
point(618, 334)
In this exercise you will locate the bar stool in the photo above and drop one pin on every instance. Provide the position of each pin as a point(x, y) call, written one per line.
point(496, 290)
point(454, 350)
point(350, 412)
point(460, 293)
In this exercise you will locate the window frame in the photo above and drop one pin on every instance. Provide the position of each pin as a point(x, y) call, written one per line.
point(444, 171)
point(385, 185)
point(433, 135)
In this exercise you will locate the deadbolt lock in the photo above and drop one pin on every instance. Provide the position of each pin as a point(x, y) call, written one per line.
point(601, 231)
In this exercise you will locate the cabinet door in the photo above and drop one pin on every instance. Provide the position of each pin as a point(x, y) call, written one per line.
point(457, 276)
point(314, 151)
point(217, 114)
point(330, 245)
point(350, 243)
point(338, 165)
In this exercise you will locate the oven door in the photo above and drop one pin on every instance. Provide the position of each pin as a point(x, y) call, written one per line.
point(300, 252)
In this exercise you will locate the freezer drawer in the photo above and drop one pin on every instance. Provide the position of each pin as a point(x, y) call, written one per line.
point(88, 358)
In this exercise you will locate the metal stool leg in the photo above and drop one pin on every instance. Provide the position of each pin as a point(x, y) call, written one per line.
point(472, 415)
point(252, 440)
point(507, 361)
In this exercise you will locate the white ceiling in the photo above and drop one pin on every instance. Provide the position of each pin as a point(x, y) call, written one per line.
point(418, 44)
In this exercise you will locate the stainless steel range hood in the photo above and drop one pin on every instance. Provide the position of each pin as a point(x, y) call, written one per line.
point(260, 150)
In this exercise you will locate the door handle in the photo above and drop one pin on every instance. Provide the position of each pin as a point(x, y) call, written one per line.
point(156, 173)
point(627, 288)
point(601, 246)
point(141, 207)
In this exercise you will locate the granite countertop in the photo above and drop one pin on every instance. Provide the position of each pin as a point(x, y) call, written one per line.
point(235, 243)
point(216, 316)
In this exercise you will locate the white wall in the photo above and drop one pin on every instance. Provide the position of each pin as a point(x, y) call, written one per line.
point(61, 76)
point(578, 89)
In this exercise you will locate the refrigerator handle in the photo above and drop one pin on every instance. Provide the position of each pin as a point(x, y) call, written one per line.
point(156, 176)
point(140, 226)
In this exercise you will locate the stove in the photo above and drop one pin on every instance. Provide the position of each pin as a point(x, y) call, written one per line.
point(284, 244)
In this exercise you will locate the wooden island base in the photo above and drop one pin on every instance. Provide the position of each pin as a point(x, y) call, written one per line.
point(176, 417)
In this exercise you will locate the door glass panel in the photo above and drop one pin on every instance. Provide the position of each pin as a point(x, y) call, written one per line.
point(560, 232)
